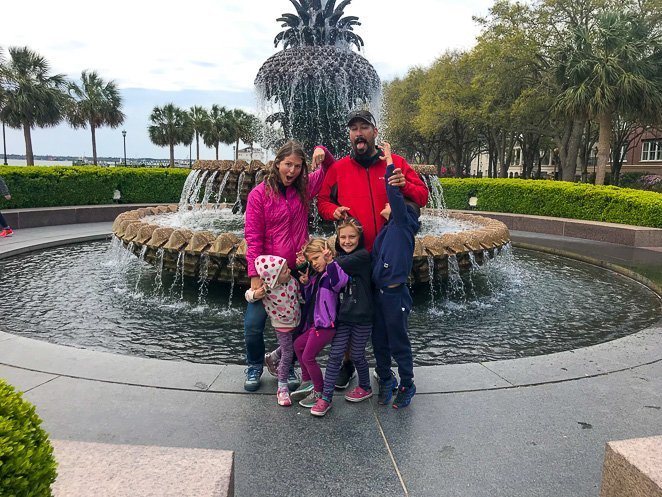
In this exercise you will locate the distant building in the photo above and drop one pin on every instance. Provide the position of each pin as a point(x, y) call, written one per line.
point(645, 153)
point(251, 153)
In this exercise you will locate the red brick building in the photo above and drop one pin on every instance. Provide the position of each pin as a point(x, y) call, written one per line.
point(645, 154)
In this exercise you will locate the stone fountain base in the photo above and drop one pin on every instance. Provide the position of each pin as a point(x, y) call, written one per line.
point(205, 255)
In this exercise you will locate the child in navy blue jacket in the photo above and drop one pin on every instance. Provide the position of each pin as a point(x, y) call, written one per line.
point(392, 259)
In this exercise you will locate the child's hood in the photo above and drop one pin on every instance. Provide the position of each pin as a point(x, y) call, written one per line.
point(268, 268)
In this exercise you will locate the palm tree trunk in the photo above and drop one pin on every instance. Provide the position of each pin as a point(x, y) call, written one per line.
point(236, 151)
point(172, 155)
point(216, 150)
point(197, 146)
point(29, 156)
point(94, 144)
point(604, 137)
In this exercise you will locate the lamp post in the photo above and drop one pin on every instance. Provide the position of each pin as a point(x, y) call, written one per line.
point(124, 138)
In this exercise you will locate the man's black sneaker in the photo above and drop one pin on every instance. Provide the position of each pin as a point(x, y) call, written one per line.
point(386, 389)
point(347, 372)
point(404, 396)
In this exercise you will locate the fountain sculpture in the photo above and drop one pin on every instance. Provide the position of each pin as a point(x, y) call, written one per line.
point(309, 87)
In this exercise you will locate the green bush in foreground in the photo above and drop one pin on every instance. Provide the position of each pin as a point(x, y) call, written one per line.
point(557, 199)
point(27, 466)
point(39, 186)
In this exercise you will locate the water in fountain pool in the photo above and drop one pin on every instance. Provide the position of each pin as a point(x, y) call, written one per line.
point(521, 303)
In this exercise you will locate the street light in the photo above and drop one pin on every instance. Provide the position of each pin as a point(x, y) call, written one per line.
point(124, 138)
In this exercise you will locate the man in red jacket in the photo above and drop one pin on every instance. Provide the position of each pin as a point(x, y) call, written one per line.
point(354, 185)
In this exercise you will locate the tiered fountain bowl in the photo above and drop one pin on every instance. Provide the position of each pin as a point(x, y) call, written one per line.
point(217, 254)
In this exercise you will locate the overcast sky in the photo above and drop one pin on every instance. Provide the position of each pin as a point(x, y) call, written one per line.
point(203, 52)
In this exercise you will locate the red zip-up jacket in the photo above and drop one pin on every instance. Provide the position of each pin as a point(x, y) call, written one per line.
point(363, 190)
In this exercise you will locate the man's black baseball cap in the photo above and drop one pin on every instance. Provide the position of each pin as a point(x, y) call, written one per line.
point(362, 115)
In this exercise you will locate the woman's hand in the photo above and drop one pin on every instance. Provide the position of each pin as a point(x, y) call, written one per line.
point(318, 156)
point(257, 285)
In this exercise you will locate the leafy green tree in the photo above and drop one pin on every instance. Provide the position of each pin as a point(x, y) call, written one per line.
point(219, 129)
point(402, 108)
point(170, 126)
point(612, 66)
point(200, 122)
point(96, 103)
point(449, 106)
point(34, 97)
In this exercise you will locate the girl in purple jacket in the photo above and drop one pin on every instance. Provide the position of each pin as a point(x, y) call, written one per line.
point(321, 289)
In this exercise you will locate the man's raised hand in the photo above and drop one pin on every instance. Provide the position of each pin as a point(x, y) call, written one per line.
point(340, 213)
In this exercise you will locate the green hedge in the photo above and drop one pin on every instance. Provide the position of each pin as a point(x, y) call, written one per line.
point(41, 186)
point(27, 466)
point(557, 199)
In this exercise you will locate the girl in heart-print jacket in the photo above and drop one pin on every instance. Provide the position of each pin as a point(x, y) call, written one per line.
point(281, 298)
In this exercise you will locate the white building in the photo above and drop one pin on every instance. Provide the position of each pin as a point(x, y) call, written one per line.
point(251, 153)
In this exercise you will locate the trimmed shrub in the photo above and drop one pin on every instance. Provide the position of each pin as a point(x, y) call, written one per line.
point(27, 466)
point(39, 186)
point(557, 199)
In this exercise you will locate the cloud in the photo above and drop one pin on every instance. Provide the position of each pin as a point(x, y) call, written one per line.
point(205, 52)
point(220, 45)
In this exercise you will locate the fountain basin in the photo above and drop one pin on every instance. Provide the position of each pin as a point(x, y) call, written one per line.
point(222, 256)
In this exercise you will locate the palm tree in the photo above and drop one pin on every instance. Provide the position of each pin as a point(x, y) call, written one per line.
point(609, 68)
point(200, 121)
point(96, 103)
point(2, 106)
point(33, 96)
point(219, 129)
point(243, 128)
point(170, 126)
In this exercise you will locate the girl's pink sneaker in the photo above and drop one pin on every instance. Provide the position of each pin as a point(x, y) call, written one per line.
point(320, 408)
point(283, 396)
point(358, 395)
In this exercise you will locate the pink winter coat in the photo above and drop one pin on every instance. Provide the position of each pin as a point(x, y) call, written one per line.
point(277, 224)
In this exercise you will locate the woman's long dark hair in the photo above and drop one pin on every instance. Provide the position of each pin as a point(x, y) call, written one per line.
point(301, 183)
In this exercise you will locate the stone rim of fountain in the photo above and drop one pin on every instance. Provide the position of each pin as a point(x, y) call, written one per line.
point(224, 254)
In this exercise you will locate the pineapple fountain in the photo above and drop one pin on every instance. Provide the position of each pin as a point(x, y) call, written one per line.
point(307, 89)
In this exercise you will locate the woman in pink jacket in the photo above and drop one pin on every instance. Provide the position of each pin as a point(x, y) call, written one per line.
point(277, 224)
